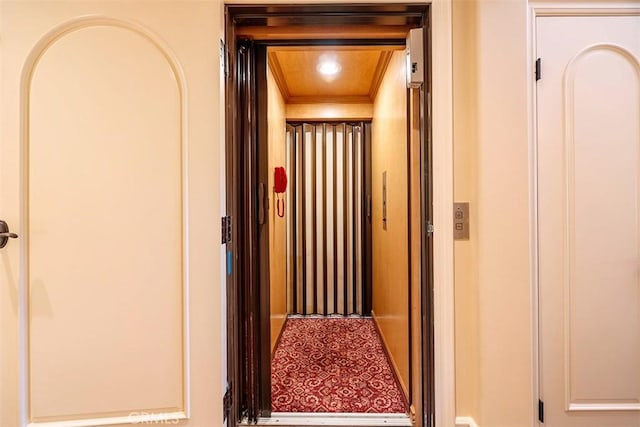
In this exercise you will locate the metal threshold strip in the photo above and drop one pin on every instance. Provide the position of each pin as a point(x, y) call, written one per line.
point(293, 419)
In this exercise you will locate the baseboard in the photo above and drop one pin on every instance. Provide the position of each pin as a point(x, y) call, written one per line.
point(293, 419)
point(277, 323)
point(465, 422)
point(390, 358)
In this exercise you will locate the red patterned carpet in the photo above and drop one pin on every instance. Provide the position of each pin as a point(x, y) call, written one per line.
point(333, 365)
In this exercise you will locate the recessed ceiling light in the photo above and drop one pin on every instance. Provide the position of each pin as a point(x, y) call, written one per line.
point(328, 66)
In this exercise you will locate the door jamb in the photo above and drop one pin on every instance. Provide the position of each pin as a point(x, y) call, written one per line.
point(442, 155)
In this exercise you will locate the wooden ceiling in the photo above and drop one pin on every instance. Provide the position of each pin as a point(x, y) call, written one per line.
point(363, 64)
point(362, 69)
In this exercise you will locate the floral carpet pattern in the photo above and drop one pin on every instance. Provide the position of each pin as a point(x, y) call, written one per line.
point(333, 365)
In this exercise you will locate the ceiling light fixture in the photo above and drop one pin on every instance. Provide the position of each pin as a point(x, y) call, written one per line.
point(328, 66)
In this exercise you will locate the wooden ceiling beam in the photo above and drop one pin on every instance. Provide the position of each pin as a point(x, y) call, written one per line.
point(324, 32)
point(278, 75)
point(381, 68)
point(337, 48)
point(336, 99)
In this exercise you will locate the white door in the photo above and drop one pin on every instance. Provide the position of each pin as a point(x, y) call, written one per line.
point(589, 219)
point(109, 174)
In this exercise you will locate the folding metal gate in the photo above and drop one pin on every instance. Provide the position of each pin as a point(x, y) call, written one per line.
point(329, 218)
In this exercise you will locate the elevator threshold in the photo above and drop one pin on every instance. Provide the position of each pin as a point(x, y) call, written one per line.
point(293, 419)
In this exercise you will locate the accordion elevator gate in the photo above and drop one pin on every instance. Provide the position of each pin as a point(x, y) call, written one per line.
point(329, 218)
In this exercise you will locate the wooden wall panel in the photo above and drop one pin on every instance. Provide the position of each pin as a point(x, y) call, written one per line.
point(277, 225)
point(390, 246)
point(416, 258)
point(330, 111)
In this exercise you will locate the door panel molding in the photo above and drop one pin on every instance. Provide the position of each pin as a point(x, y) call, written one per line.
point(572, 283)
point(117, 415)
point(593, 407)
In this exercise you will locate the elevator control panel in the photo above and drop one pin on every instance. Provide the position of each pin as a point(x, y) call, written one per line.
point(461, 220)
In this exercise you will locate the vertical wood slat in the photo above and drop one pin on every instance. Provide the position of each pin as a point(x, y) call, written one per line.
point(301, 222)
point(294, 222)
point(359, 218)
point(324, 217)
point(354, 283)
point(329, 218)
point(366, 221)
point(345, 252)
point(335, 219)
point(349, 224)
point(291, 212)
point(318, 224)
point(314, 221)
point(303, 214)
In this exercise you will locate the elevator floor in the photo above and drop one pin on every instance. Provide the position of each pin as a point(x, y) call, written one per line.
point(333, 365)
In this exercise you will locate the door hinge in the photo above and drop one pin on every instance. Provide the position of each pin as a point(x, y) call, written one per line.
point(224, 58)
point(430, 228)
point(538, 70)
point(540, 411)
point(226, 404)
point(226, 229)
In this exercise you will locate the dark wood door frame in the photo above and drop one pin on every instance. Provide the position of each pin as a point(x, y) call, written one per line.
point(248, 352)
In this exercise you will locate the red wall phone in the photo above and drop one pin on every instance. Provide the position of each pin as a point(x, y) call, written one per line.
point(279, 187)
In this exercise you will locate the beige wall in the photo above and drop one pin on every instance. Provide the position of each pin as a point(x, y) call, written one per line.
point(491, 162)
point(390, 252)
point(465, 190)
point(277, 226)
